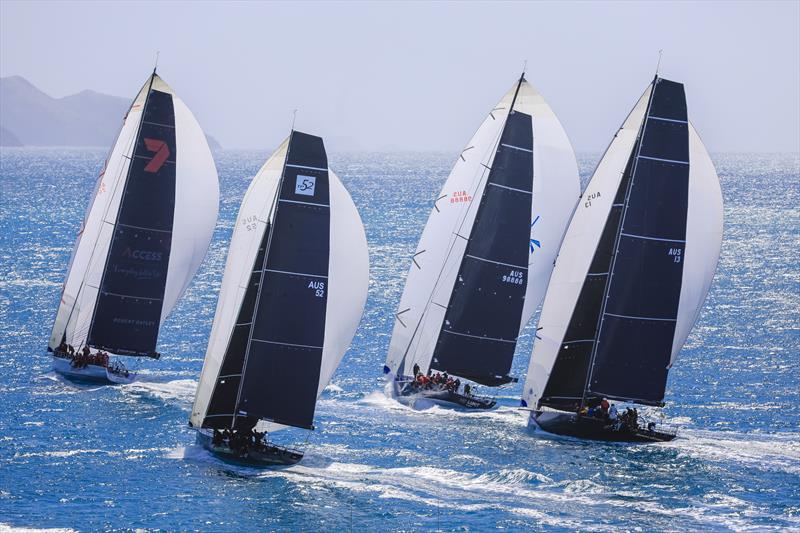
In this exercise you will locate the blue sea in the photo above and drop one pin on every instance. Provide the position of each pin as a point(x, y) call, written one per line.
point(108, 458)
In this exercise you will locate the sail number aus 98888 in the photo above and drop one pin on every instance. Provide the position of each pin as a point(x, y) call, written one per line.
point(515, 277)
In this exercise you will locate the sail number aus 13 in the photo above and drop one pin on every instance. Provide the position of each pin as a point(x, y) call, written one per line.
point(514, 277)
point(675, 253)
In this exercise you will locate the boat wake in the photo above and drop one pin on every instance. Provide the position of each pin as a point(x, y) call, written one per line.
point(178, 391)
point(774, 452)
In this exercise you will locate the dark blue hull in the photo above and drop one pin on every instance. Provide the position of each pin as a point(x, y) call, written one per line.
point(263, 457)
point(583, 427)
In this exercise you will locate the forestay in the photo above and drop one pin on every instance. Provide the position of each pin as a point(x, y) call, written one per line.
point(292, 295)
point(636, 263)
point(145, 232)
point(485, 256)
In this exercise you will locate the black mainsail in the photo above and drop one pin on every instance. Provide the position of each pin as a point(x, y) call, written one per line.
point(129, 301)
point(482, 321)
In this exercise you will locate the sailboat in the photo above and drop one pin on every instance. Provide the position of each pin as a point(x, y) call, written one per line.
point(482, 264)
point(143, 237)
point(631, 277)
point(292, 295)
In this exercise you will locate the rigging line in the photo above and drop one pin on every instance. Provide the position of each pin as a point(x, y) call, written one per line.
point(273, 214)
point(618, 236)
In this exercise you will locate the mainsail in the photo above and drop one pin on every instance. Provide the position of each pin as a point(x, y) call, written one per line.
point(486, 254)
point(145, 232)
point(292, 295)
point(636, 263)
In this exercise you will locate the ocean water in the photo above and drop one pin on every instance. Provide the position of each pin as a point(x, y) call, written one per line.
point(89, 458)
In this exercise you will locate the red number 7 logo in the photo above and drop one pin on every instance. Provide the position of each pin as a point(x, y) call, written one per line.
point(162, 153)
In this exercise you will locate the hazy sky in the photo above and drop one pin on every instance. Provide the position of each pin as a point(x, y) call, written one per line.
point(421, 75)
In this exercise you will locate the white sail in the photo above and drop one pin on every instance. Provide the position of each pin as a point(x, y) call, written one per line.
point(439, 254)
point(348, 279)
point(196, 206)
point(703, 239)
point(577, 250)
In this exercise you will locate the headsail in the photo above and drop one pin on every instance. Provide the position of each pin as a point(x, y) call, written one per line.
point(292, 295)
point(636, 263)
point(482, 264)
point(146, 231)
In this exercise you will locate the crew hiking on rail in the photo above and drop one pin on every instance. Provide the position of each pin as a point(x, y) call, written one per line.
point(437, 382)
point(628, 420)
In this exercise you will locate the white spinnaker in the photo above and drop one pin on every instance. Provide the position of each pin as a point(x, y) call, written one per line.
point(577, 250)
point(251, 223)
point(440, 251)
point(79, 293)
point(348, 279)
point(196, 204)
point(556, 190)
point(703, 239)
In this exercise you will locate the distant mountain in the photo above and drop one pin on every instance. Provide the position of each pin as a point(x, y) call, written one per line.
point(29, 117)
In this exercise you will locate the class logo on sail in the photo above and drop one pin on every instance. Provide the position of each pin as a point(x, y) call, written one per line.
point(305, 185)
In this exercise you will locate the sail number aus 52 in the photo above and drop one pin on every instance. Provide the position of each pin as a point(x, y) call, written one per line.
point(515, 277)
point(318, 287)
point(675, 253)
